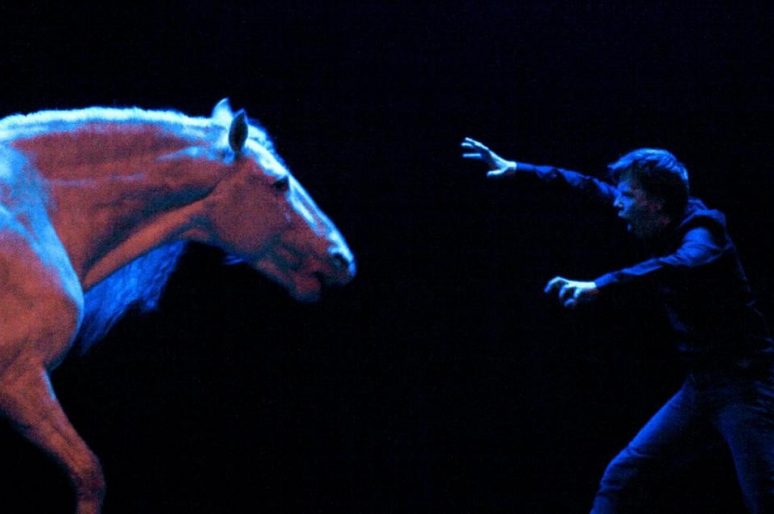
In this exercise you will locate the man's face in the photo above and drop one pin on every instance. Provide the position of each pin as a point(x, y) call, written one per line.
point(643, 214)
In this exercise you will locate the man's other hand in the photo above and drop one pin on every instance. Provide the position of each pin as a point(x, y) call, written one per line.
point(571, 293)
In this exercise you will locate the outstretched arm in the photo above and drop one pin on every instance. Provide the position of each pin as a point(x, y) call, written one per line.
point(499, 168)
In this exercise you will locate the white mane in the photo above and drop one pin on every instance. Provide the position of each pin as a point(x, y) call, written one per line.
point(28, 125)
point(90, 114)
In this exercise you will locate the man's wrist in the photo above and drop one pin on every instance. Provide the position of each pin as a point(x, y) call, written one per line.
point(605, 281)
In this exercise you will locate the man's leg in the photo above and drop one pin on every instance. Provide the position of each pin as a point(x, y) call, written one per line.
point(747, 425)
point(670, 436)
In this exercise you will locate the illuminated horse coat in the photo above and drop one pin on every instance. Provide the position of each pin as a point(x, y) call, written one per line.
point(95, 206)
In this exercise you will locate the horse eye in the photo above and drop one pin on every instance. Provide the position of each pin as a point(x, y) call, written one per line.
point(282, 184)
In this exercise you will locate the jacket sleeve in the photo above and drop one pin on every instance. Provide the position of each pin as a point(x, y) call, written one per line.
point(596, 189)
point(699, 247)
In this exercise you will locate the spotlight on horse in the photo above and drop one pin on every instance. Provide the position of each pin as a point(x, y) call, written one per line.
point(96, 206)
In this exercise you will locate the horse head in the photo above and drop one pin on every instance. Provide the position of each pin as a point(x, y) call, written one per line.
point(261, 214)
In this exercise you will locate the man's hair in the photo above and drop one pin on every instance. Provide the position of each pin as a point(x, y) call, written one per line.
point(658, 173)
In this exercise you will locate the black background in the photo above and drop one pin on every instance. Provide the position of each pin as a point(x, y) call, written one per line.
point(442, 379)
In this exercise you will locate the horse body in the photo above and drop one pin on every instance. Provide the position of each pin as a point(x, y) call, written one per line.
point(95, 206)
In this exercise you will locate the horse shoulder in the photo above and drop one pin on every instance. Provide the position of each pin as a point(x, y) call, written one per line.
point(41, 302)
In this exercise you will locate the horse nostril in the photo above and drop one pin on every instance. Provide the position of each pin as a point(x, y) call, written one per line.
point(340, 262)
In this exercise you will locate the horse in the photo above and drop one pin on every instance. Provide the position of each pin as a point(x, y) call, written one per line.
point(96, 206)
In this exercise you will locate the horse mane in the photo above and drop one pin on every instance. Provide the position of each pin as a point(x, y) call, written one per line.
point(139, 283)
point(116, 114)
point(20, 126)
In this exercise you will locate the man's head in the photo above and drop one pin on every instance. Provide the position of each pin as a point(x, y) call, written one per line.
point(652, 190)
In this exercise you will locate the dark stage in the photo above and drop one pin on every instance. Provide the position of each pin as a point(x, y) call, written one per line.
point(442, 379)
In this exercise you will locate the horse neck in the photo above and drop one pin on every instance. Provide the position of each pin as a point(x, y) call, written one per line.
point(117, 190)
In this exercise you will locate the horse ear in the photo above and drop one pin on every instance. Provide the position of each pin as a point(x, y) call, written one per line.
point(237, 133)
point(222, 112)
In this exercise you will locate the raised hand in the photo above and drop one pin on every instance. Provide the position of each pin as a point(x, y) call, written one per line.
point(498, 167)
point(572, 293)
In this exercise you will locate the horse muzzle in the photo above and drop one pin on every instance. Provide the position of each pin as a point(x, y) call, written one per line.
point(336, 268)
point(343, 268)
point(305, 278)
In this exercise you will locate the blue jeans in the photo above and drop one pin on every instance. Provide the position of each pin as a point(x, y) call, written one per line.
point(737, 406)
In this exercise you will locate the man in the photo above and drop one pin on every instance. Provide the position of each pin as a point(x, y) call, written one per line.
point(729, 391)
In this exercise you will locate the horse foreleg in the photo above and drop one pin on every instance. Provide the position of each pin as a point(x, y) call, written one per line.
point(29, 403)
